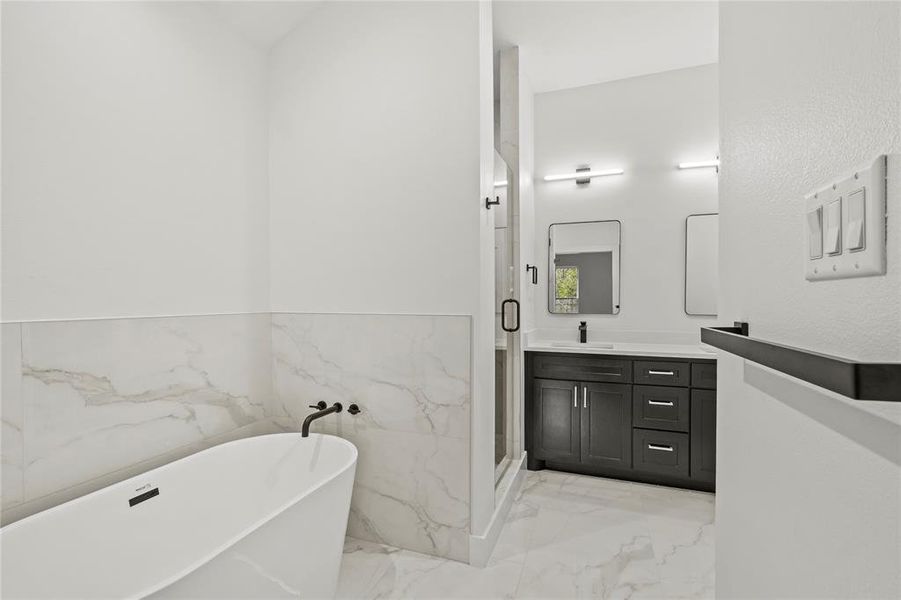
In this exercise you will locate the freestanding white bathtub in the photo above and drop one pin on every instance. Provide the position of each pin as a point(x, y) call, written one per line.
point(261, 517)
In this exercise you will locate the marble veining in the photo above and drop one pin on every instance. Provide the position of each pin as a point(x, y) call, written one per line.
point(412, 491)
point(97, 396)
point(85, 403)
point(410, 376)
point(567, 536)
point(412, 370)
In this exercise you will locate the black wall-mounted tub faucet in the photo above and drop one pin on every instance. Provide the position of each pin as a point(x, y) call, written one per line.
point(583, 332)
point(323, 411)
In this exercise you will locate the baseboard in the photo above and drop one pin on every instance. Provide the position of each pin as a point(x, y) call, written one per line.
point(481, 546)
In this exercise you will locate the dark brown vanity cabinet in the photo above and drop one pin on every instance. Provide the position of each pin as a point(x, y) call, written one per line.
point(606, 416)
point(582, 422)
point(703, 435)
point(557, 428)
point(645, 419)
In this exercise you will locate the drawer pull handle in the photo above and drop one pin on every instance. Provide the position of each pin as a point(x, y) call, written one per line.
point(661, 448)
point(658, 403)
point(575, 396)
point(652, 372)
point(584, 397)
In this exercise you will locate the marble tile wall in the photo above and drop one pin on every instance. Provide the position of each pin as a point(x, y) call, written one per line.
point(87, 403)
point(410, 375)
point(83, 399)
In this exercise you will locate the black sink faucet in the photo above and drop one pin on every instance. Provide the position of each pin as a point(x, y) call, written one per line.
point(583, 332)
point(323, 411)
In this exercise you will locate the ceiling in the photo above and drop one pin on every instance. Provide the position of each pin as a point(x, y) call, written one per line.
point(565, 44)
point(262, 22)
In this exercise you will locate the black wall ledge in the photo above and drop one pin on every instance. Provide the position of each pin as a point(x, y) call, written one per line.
point(856, 380)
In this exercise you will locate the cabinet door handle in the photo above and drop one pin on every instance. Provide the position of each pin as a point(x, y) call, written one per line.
point(575, 396)
point(584, 397)
point(652, 372)
point(658, 403)
point(661, 448)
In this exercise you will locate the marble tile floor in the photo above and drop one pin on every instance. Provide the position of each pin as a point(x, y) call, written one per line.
point(567, 536)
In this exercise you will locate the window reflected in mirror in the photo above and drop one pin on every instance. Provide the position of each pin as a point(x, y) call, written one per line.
point(567, 292)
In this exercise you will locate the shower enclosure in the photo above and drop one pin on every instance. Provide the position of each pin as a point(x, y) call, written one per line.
point(507, 316)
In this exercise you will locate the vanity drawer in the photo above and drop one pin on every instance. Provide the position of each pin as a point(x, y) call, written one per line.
point(657, 407)
point(579, 367)
point(659, 372)
point(703, 375)
point(660, 452)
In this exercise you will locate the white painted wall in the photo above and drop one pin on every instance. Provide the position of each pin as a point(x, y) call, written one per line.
point(644, 125)
point(134, 162)
point(808, 483)
point(374, 160)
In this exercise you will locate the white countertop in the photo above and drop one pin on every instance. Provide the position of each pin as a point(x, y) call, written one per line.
point(624, 349)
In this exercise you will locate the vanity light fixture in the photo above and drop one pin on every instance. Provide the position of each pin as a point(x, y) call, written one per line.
point(584, 175)
point(701, 164)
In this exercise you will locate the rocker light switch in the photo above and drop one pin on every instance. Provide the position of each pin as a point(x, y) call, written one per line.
point(857, 211)
point(815, 233)
point(833, 227)
point(850, 214)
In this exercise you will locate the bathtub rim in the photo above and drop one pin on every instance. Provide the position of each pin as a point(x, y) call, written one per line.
point(217, 550)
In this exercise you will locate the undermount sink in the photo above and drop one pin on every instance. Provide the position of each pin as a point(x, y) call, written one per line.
point(603, 345)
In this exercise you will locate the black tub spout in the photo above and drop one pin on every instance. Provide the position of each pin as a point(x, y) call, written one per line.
point(334, 408)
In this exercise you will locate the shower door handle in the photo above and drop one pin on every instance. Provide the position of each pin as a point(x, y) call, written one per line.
point(515, 303)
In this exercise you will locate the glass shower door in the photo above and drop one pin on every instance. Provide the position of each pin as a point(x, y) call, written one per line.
point(506, 308)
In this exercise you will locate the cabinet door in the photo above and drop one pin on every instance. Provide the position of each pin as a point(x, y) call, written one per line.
point(703, 435)
point(556, 426)
point(606, 425)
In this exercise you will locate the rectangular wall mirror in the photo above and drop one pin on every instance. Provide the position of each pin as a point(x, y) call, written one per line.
point(583, 269)
point(701, 264)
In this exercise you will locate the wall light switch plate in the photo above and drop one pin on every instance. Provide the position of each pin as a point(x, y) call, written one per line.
point(853, 225)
